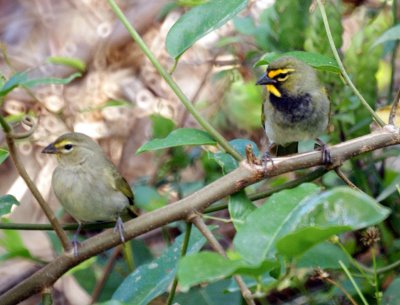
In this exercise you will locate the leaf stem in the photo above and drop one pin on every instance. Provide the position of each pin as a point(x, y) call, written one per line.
point(353, 282)
point(380, 122)
point(202, 227)
point(183, 253)
point(173, 85)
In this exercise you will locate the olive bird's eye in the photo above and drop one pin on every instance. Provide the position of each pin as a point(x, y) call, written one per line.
point(68, 146)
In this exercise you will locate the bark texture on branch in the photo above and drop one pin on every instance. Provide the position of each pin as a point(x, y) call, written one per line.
point(243, 176)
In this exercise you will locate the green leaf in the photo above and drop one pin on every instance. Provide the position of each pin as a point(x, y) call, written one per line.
point(179, 137)
point(240, 146)
point(162, 126)
point(302, 207)
point(50, 80)
point(299, 241)
point(392, 294)
point(148, 199)
point(257, 237)
point(391, 34)
point(199, 21)
point(21, 79)
point(205, 267)
point(324, 255)
point(240, 206)
point(3, 155)
point(13, 82)
point(13, 245)
point(151, 280)
point(317, 61)
point(210, 266)
point(72, 62)
point(212, 294)
point(6, 202)
point(226, 161)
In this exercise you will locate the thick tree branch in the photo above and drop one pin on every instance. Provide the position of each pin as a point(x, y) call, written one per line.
point(243, 176)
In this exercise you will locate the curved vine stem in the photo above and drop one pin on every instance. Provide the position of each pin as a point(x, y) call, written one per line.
point(173, 85)
point(342, 69)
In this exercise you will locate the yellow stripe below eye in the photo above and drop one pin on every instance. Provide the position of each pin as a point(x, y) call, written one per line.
point(273, 73)
point(273, 90)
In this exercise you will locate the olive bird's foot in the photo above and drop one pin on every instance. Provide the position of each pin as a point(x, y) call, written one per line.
point(119, 226)
point(75, 242)
point(326, 154)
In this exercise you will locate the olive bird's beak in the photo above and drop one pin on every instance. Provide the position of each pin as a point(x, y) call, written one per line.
point(265, 80)
point(50, 149)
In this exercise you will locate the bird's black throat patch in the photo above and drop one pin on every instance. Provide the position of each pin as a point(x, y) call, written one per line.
point(295, 109)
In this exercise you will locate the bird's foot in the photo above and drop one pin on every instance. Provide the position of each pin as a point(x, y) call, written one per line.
point(326, 154)
point(75, 242)
point(119, 226)
point(265, 158)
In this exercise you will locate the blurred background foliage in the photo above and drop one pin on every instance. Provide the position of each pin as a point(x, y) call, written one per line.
point(122, 102)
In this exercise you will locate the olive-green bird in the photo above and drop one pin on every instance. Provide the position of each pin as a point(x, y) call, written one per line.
point(87, 184)
point(296, 107)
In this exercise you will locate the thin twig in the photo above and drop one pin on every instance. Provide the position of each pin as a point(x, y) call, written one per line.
point(231, 183)
point(172, 84)
point(106, 273)
point(35, 192)
point(341, 66)
point(183, 253)
point(202, 227)
point(393, 110)
point(334, 283)
point(346, 180)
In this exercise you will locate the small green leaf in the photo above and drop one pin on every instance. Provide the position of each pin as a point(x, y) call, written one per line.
point(301, 240)
point(13, 82)
point(324, 255)
point(6, 202)
point(72, 62)
point(204, 267)
point(21, 79)
point(150, 280)
point(212, 294)
point(3, 155)
point(13, 245)
point(148, 199)
point(392, 294)
point(199, 21)
point(391, 34)
point(29, 83)
point(317, 61)
point(226, 161)
point(179, 137)
point(209, 267)
point(240, 206)
point(162, 126)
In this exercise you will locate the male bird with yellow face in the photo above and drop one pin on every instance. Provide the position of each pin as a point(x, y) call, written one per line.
point(87, 184)
point(296, 107)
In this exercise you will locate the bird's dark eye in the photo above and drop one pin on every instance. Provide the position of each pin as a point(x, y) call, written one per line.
point(68, 146)
point(282, 77)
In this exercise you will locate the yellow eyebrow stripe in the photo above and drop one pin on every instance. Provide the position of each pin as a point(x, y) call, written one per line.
point(62, 143)
point(273, 73)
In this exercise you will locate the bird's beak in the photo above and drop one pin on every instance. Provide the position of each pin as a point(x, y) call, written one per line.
point(50, 149)
point(265, 80)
